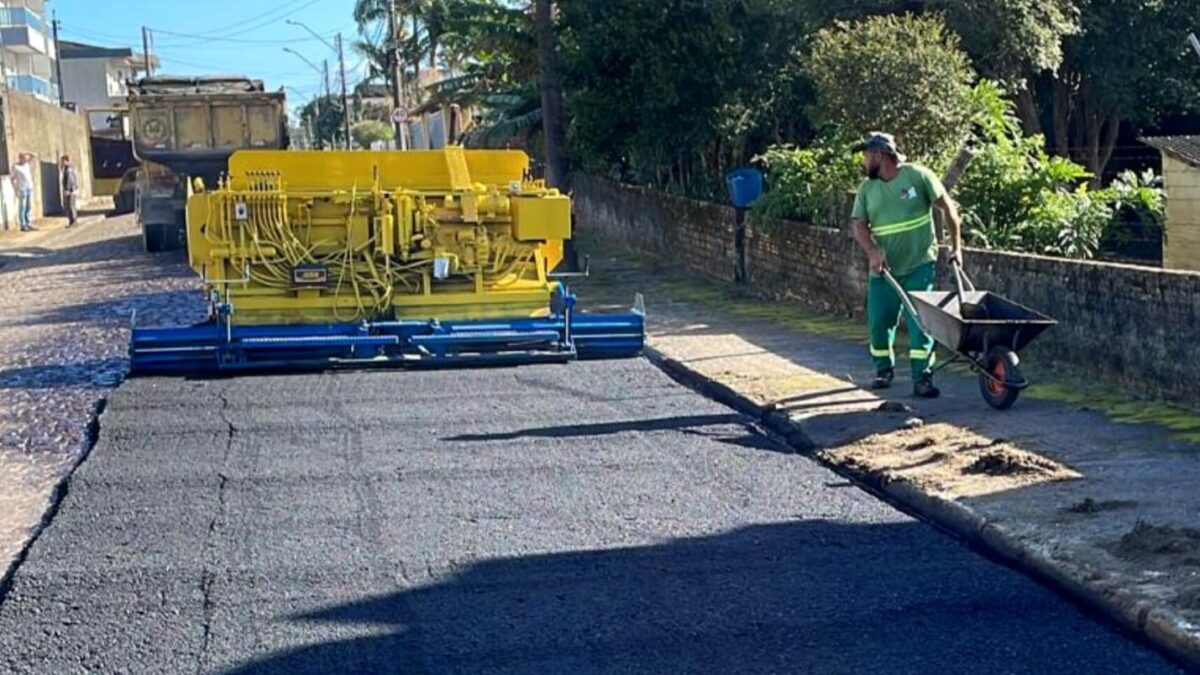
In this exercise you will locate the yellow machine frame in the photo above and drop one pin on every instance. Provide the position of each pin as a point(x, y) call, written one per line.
point(311, 236)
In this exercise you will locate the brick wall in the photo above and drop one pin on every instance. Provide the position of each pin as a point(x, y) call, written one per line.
point(1135, 326)
point(696, 234)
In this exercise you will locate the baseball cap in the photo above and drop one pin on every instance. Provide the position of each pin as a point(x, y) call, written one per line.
point(878, 140)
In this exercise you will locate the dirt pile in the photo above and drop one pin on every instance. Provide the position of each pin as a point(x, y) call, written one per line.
point(1157, 546)
point(949, 461)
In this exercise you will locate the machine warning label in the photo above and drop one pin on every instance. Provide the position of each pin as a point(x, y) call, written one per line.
point(310, 275)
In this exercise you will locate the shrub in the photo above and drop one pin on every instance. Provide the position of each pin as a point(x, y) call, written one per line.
point(370, 131)
point(809, 184)
point(1016, 197)
point(905, 75)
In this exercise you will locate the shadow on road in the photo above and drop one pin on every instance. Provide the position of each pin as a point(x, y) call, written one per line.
point(128, 249)
point(123, 309)
point(806, 597)
point(739, 431)
point(93, 372)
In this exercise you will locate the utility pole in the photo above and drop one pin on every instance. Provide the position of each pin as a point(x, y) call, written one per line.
point(316, 122)
point(55, 23)
point(325, 64)
point(146, 50)
point(333, 141)
point(345, 102)
point(397, 75)
point(1195, 42)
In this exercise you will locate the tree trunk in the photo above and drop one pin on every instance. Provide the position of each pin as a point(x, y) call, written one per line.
point(958, 167)
point(1031, 123)
point(1062, 117)
point(1112, 129)
point(1101, 130)
point(552, 99)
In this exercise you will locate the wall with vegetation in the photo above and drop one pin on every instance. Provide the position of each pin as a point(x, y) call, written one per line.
point(1133, 326)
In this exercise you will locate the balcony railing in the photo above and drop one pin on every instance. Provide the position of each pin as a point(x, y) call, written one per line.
point(22, 16)
point(31, 84)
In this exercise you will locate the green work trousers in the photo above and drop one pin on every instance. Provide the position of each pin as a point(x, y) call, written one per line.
point(883, 315)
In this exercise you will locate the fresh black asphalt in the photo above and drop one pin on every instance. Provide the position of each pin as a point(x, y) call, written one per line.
point(593, 517)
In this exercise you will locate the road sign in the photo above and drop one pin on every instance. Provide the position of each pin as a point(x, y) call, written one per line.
point(399, 115)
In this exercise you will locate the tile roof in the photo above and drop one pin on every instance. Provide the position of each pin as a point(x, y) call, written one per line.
point(1186, 148)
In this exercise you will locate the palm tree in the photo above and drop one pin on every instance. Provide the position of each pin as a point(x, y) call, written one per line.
point(506, 58)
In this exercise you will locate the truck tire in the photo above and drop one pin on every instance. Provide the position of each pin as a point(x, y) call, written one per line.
point(154, 237)
point(164, 237)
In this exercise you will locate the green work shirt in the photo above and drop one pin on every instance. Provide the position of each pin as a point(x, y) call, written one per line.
point(900, 215)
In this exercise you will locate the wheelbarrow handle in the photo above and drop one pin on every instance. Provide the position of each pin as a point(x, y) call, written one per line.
point(907, 301)
point(960, 276)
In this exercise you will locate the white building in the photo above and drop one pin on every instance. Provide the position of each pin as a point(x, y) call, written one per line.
point(27, 48)
point(96, 78)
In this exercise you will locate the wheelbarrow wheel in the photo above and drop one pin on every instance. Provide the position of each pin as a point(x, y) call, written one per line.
point(1003, 366)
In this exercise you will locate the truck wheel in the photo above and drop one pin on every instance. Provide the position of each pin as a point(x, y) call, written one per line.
point(1002, 364)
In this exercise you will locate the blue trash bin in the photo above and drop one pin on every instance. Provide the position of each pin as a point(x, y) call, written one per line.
point(745, 185)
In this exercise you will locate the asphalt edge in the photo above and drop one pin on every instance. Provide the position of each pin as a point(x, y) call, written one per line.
point(57, 495)
point(1154, 625)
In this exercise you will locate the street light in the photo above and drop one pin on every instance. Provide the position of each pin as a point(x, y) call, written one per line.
point(293, 22)
point(303, 58)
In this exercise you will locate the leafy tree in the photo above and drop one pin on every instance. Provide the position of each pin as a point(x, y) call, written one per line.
point(674, 93)
point(1013, 42)
point(902, 74)
point(1130, 64)
point(367, 132)
point(328, 125)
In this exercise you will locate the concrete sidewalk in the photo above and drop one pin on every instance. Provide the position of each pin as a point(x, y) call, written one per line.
point(1088, 491)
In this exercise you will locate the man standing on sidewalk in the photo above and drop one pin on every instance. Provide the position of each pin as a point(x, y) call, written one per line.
point(893, 223)
point(70, 186)
point(22, 178)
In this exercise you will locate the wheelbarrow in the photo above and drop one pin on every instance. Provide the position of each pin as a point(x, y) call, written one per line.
point(981, 328)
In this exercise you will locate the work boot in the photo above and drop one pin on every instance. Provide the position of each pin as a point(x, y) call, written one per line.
point(923, 388)
point(883, 379)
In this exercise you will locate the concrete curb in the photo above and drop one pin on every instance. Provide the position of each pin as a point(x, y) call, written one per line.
point(1155, 625)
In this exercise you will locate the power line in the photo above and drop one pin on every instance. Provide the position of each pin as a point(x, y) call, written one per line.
point(244, 41)
point(207, 36)
point(284, 7)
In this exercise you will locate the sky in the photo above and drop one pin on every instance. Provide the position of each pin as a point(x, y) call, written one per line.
point(242, 37)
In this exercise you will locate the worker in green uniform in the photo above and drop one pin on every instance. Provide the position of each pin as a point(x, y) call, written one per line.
point(893, 223)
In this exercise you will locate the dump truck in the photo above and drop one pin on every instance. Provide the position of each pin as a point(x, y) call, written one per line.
point(184, 130)
point(315, 259)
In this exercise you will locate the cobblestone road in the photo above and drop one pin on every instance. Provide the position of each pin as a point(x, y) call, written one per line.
point(66, 298)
